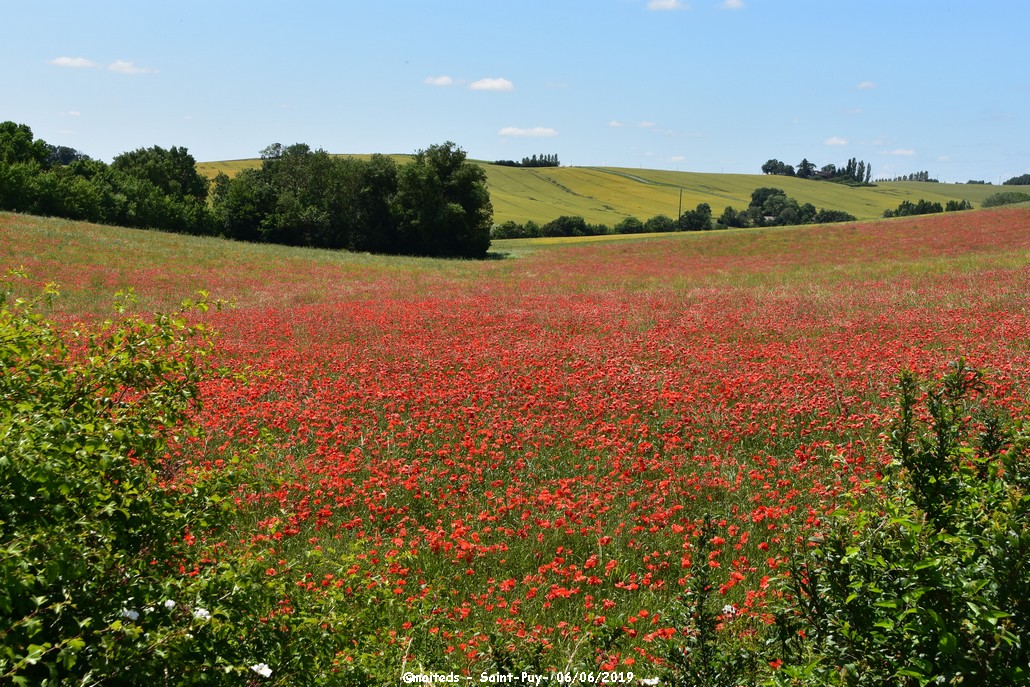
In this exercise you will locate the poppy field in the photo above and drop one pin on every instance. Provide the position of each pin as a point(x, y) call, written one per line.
point(528, 459)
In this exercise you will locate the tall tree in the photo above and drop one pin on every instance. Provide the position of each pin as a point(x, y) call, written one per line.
point(172, 171)
point(444, 204)
point(17, 145)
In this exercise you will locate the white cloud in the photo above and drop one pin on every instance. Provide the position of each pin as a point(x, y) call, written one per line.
point(646, 125)
point(120, 66)
point(534, 131)
point(123, 67)
point(866, 85)
point(678, 158)
point(74, 62)
point(836, 141)
point(900, 151)
point(73, 113)
point(666, 5)
point(615, 124)
point(733, 4)
point(440, 81)
point(492, 85)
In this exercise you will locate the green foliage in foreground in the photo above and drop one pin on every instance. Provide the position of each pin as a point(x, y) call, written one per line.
point(103, 575)
point(935, 588)
point(932, 590)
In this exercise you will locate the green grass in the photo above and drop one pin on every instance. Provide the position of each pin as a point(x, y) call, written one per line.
point(607, 195)
point(90, 262)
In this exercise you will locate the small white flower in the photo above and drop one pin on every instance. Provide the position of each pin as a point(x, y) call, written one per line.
point(729, 609)
point(649, 681)
point(169, 604)
point(130, 614)
point(201, 614)
point(262, 669)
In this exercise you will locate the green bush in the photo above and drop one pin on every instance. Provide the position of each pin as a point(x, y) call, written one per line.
point(1005, 198)
point(935, 588)
point(112, 570)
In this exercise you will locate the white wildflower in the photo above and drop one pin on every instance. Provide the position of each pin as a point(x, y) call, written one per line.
point(201, 614)
point(169, 604)
point(729, 610)
point(649, 681)
point(130, 614)
point(262, 669)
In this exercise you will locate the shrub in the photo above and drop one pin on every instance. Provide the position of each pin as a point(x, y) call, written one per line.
point(572, 225)
point(698, 219)
point(826, 216)
point(1005, 198)
point(921, 207)
point(933, 589)
point(660, 224)
point(629, 225)
point(106, 573)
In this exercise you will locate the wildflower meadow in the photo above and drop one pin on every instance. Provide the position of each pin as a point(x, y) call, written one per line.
point(590, 462)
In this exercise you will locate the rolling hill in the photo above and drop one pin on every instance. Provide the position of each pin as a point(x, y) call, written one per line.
point(606, 195)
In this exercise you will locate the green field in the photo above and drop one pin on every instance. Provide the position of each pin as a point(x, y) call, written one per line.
point(606, 195)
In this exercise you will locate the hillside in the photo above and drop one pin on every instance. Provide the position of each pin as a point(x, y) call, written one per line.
point(607, 195)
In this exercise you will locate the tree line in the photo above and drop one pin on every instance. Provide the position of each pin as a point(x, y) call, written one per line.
point(146, 188)
point(917, 176)
point(853, 172)
point(547, 160)
point(437, 205)
point(926, 207)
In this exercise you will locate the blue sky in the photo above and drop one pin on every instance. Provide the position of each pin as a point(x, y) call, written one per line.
point(695, 85)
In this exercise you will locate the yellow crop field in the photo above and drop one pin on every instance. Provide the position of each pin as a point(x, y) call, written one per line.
point(607, 195)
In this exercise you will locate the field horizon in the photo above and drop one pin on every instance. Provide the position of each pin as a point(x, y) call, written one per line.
point(607, 195)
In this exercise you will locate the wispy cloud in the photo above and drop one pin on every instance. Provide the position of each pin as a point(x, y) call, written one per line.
point(123, 67)
point(836, 141)
point(538, 131)
point(439, 81)
point(866, 85)
point(492, 85)
point(120, 66)
point(661, 5)
point(906, 152)
point(733, 4)
point(73, 62)
point(646, 125)
point(615, 124)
